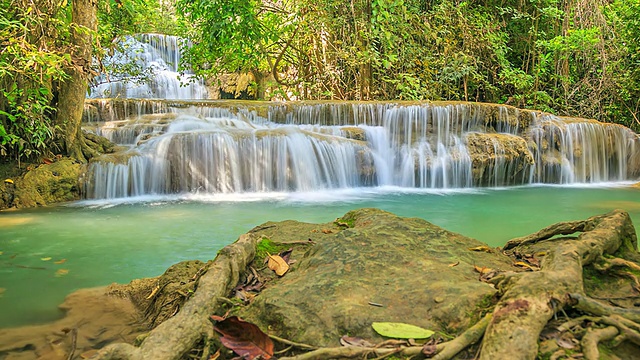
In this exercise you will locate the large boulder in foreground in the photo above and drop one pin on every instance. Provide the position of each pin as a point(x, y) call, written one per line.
point(378, 267)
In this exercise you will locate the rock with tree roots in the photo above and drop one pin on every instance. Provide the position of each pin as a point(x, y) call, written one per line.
point(535, 298)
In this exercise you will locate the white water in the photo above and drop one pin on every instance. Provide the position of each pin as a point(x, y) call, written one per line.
point(211, 148)
point(158, 56)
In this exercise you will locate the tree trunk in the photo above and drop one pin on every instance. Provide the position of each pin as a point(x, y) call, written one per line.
point(71, 93)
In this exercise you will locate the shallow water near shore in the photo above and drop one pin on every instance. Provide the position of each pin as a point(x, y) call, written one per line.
point(45, 254)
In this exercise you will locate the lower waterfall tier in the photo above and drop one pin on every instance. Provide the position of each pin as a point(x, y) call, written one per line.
point(441, 146)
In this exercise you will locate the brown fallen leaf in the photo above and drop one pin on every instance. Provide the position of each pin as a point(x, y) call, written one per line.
point(326, 231)
point(484, 248)
point(244, 338)
point(567, 341)
point(482, 270)
point(61, 261)
point(153, 292)
point(524, 265)
point(277, 264)
point(454, 264)
point(215, 356)
point(61, 272)
point(286, 255)
point(355, 342)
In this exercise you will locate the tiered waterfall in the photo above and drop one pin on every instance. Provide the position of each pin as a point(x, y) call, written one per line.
point(186, 146)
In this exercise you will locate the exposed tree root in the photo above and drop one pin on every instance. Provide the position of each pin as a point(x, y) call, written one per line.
point(595, 307)
point(608, 264)
point(530, 299)
point(176, 336)
point(593, 337)
point(443, 351)
point(563, 228)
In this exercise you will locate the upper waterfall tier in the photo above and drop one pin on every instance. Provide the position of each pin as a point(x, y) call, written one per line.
point(147, 67)
point(214, 146)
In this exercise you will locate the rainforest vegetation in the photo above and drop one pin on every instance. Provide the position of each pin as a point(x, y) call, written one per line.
point(566, 57)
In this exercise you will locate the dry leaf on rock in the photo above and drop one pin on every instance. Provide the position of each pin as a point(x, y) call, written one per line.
point(355, 341)
point(567, 341)
point(286, 255)
point(454, 264)
point(277, 264)
point(482, 270)
point(484, 248)
point(61, 261)
point(524, 265)
point(244, 338)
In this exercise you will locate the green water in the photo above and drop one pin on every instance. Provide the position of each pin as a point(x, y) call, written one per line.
point(104, 243)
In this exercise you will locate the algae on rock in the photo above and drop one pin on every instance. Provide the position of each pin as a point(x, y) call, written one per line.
point(402, 264)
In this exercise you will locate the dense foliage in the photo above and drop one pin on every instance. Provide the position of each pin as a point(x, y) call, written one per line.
point(35, 55)
point(579, 58)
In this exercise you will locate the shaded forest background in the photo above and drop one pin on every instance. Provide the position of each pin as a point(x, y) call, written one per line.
point(578, 58)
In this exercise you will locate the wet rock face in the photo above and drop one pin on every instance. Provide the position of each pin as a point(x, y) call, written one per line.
point(381, 268)
point(499, 159)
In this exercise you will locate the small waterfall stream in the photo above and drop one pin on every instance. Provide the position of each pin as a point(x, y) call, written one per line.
point(230, 147)
point(157, 57)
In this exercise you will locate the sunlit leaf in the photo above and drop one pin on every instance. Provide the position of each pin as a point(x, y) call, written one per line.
point(524, 265)
point(484, 248)
point(401, 330)
point(277, 264)
point(45, 258)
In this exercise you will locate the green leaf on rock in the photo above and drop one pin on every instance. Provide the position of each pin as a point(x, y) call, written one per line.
point(401, 330)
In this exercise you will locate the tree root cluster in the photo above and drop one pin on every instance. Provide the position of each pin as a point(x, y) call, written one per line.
point(528, 303)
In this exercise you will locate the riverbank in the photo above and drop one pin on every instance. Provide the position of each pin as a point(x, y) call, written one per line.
point(369, 266)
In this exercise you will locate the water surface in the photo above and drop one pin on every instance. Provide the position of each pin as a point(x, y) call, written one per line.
point(97, 243)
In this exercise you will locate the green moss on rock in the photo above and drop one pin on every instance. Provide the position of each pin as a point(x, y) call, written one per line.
point(48, 184)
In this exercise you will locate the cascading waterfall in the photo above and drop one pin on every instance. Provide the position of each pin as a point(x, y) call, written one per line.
point(217, 148)
point(157, 57)
point(188, 146)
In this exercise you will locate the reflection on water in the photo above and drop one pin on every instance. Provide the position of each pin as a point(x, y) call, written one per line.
point(105, 242)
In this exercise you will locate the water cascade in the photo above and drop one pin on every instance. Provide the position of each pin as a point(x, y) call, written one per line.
point(157, 57)
point(186, 146)
point(228, 147)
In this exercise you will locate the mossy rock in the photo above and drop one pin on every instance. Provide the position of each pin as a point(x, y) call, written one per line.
point(376, 267)
point(48, 184)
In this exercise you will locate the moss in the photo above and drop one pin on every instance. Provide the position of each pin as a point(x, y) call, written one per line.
point(347, 221)
point(268, 247)
point(48, 183)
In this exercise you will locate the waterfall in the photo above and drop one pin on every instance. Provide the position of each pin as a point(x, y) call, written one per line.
point(187, 144)
point(229, 147)
point(154, 59)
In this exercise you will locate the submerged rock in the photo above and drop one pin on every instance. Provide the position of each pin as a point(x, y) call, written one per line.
point(381, 268)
